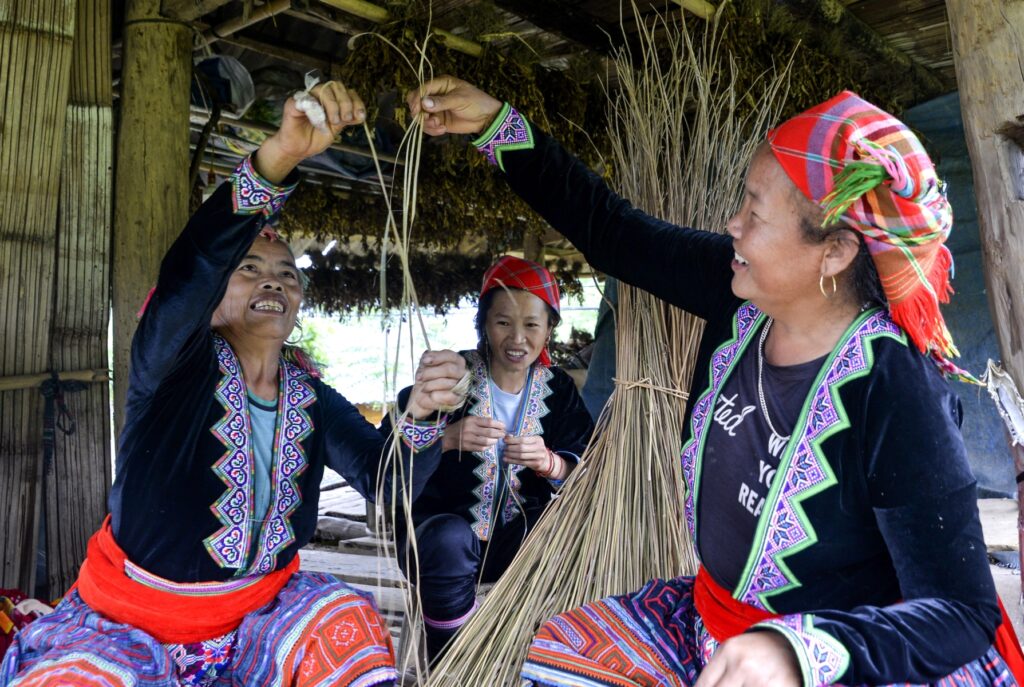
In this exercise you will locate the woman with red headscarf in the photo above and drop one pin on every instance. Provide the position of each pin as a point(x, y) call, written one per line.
point(504, 453)
point(828, 492)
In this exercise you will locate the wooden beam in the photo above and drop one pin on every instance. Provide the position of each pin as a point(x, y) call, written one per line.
point(701, 8)
point(151, 192)
point(379, 15)
point(189, 10)
point(567, 20)
point(987, 37)
point(304, 60)
point(271, 9)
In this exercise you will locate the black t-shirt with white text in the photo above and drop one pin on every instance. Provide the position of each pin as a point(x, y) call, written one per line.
point(741, 456)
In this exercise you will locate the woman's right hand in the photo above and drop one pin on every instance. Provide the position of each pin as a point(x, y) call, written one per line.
point(472, 433)
point(453, 106)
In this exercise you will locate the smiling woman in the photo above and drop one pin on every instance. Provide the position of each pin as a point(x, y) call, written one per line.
point(505, 453)
point(195, 576)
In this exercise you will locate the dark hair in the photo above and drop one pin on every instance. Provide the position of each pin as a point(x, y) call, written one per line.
point(866, 285)
point(484, 306)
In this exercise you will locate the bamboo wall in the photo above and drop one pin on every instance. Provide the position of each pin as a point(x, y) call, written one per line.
point(77, 488)
point(35, 57)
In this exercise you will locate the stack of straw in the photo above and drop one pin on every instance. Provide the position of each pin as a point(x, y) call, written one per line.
point(682, 138)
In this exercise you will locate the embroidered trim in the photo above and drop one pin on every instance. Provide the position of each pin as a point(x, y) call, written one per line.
point(481, 405)
point(722, 362)
point(804, 471)
point(454, 623)
point(823, 658)
point(152, 581)
point(419, 436)
point(293, 427)
point(228, 545)
point(251, 194)
point(508, 131)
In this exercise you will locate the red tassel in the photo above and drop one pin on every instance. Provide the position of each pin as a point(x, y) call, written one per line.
point(919, 315)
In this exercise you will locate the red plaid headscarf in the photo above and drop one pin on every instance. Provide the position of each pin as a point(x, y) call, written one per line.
point(515, 273)
point(865, 168)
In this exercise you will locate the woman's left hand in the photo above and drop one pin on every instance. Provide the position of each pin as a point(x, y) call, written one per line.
point(751, 660)
point(531, 452)
point(297, 138)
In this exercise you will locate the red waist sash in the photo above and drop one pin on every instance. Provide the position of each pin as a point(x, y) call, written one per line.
point(723, 616)
point(176, 613)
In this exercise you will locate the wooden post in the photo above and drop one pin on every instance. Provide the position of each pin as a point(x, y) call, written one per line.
point(76, 489)
point(987, 38)
point(151, 190)
point(35, 58)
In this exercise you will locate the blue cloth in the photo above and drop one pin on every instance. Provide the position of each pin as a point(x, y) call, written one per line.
point(601, 370)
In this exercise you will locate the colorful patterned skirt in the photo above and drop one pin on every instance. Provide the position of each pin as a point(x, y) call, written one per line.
point(656, 638)
point(317, 631)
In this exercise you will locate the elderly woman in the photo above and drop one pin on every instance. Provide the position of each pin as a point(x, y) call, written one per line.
point(827, 486)
point(194, 578)
point(505, 452)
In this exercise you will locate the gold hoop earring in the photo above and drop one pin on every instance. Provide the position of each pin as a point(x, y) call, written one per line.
point(821, 286)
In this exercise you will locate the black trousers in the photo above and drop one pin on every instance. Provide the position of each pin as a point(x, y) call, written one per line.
point(451, 562)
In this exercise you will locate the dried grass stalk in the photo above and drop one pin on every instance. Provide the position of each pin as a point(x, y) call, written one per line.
point(681, 138)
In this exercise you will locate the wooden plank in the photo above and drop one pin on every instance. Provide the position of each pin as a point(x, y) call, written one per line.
point(151, 188)
point(352, 568)
point(77, 487)
point(987, 35)
point(35, 59)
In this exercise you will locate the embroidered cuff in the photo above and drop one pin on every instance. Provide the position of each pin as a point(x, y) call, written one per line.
point(823, 658)
point(508, 131)
point(419, 436)
point(251, 194)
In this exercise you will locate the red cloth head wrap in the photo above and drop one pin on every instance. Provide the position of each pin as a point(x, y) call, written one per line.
point(865, 168)
point(515, 273)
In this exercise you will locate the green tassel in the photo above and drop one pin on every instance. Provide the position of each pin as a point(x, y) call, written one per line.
point(856, 179)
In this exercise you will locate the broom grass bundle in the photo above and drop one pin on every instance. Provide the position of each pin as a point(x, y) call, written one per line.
point(682, 138)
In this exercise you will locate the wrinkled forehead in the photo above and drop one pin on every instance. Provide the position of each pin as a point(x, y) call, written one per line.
point(272, 248)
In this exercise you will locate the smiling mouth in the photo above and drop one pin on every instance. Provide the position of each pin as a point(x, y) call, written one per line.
point(268, 305)
point(740, 259)
point(515, 355)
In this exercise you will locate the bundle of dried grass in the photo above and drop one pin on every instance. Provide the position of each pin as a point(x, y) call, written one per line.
point(682, 138)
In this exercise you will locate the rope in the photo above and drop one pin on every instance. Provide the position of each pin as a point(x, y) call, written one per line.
point(56, 415)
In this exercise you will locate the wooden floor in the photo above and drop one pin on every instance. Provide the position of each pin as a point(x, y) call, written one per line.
point(355, 561)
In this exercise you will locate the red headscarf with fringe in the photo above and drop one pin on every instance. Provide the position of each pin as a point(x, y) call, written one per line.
point(865, 168)
point(515, 273)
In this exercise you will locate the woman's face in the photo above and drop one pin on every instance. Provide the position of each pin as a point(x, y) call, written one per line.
point(774, 266)
point(517, 330)
point(263, 295)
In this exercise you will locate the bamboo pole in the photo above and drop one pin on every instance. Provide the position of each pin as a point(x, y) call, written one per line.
point(35, 59)
point(987, 35)
point(77, 488)
point(151, 190)
point(189, 10)
point(17, 382)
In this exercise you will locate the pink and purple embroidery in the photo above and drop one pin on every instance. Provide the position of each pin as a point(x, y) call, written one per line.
point(823, 658)
point(508, 131)
point(201, 663)
point(490, 462)
point(251, 194)
point(230, 545)
point(807, 471)
point(419, 436)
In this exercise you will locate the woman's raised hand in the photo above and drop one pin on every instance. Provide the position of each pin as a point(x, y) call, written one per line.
point(437, 375)
point(472, 433)
point(452, 106)
point(298, 138)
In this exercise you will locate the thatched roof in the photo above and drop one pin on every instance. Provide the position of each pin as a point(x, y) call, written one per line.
point(548, 57)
